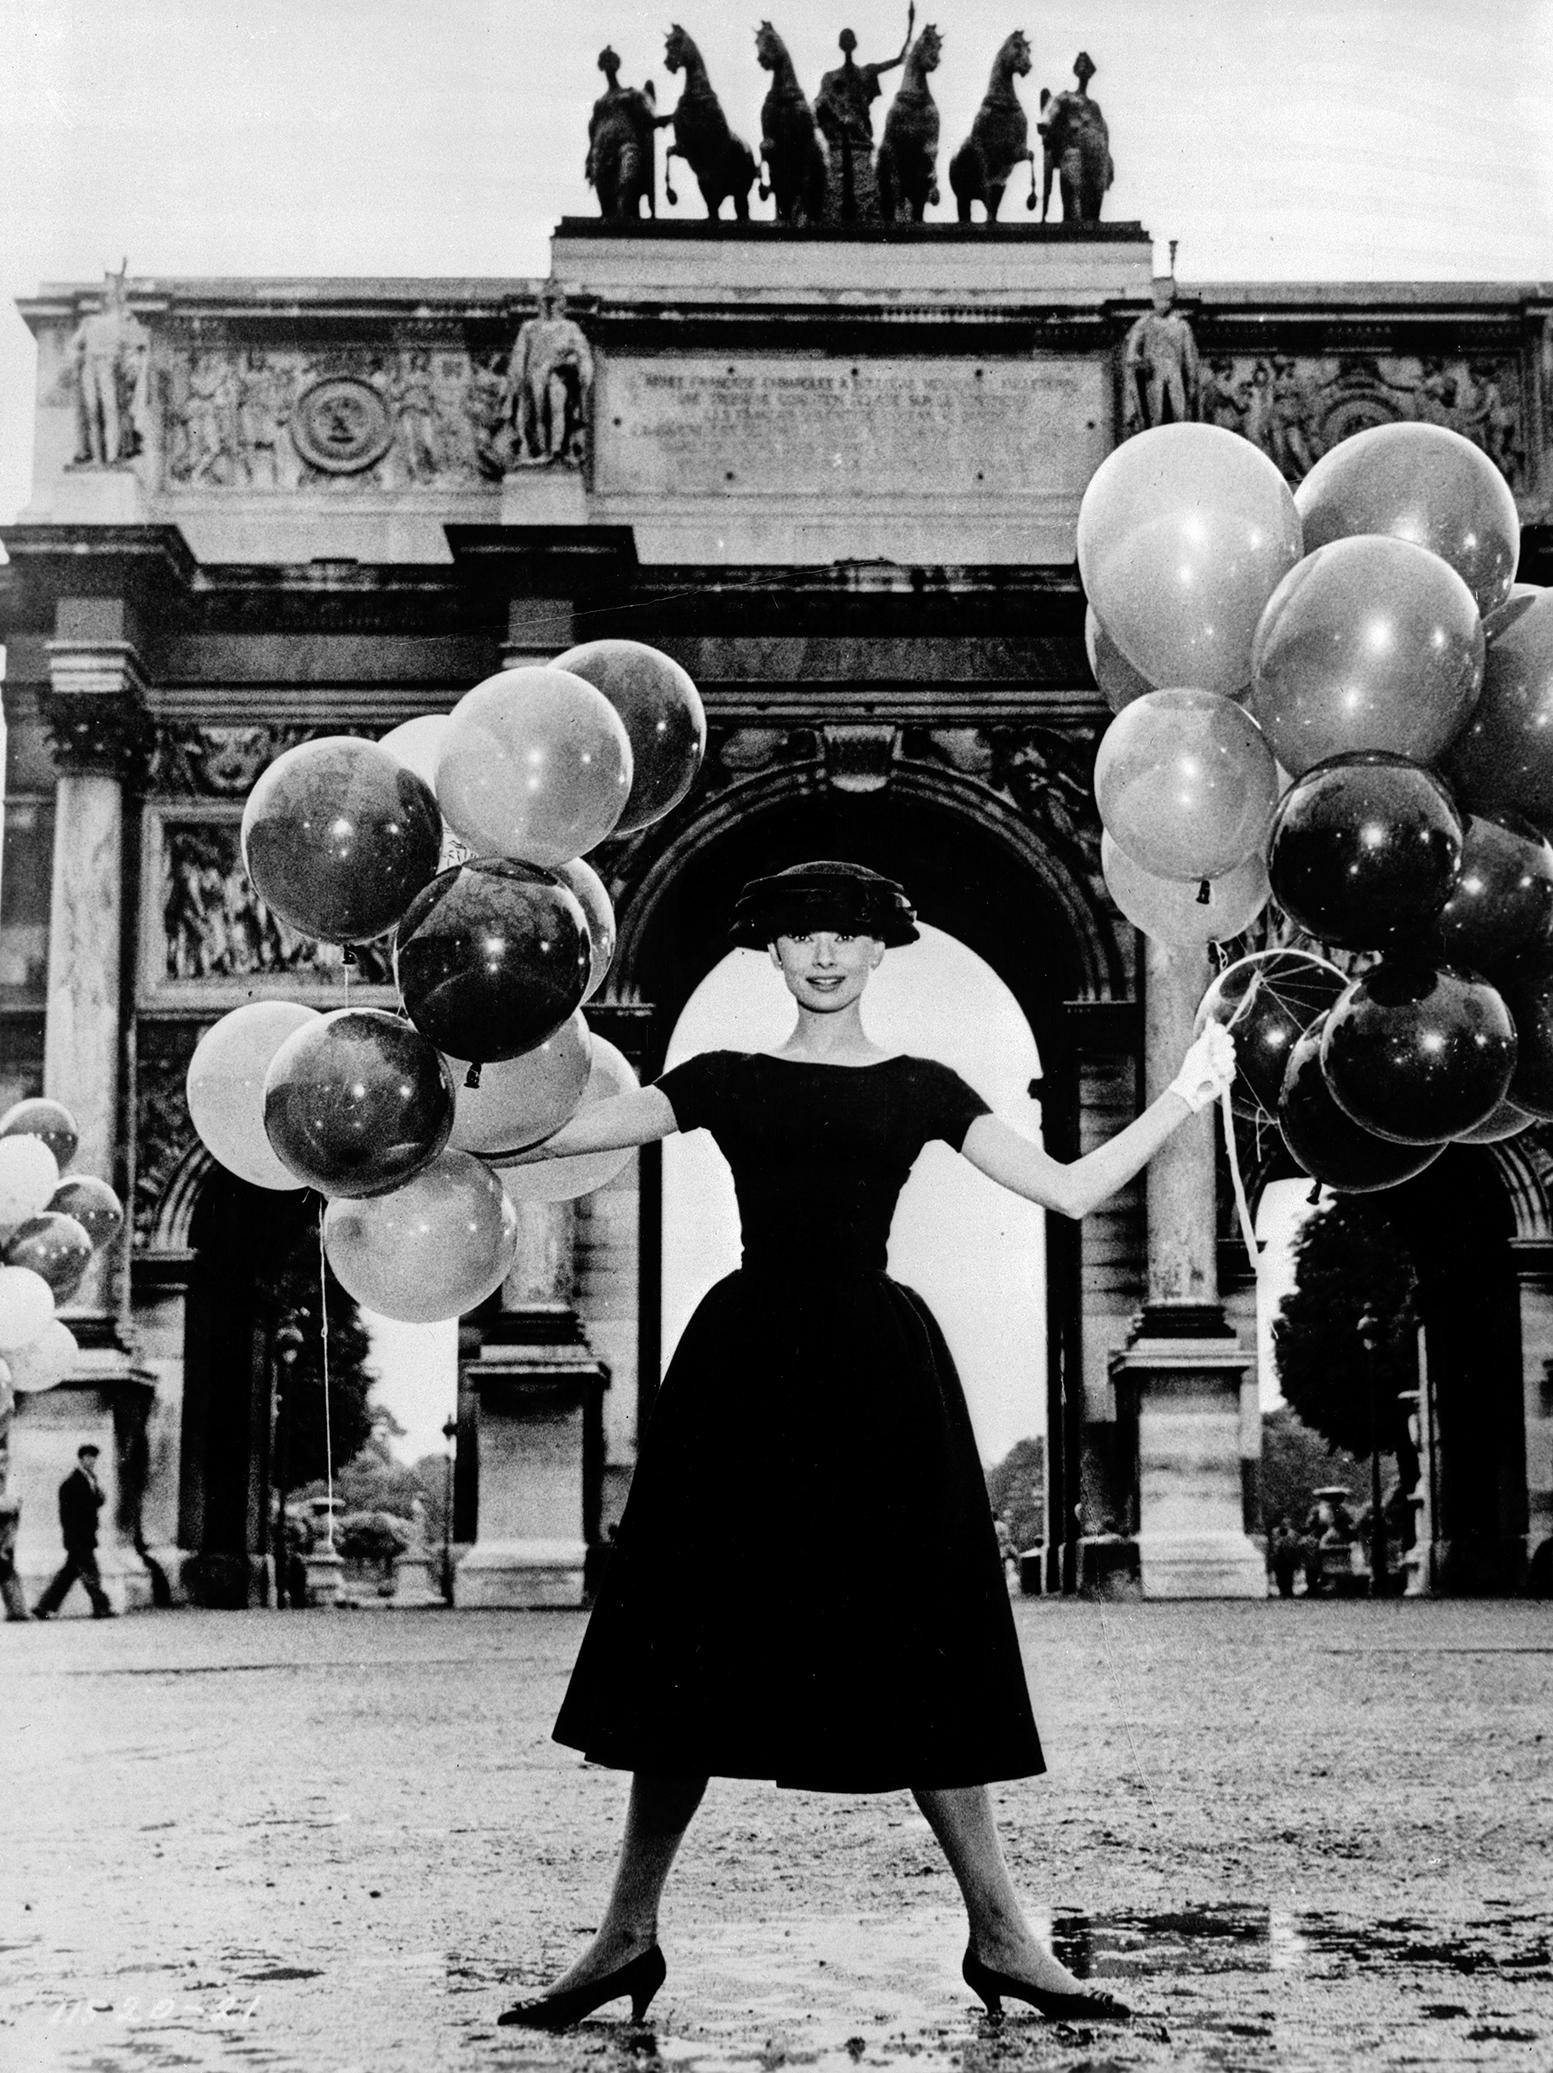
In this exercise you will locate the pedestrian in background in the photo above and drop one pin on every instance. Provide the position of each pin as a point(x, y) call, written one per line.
point(10, 1585)
point(81, 1498)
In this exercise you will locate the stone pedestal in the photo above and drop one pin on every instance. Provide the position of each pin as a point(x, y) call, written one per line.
point(100, 496)
point(538, 1432)
point(325, 1576)
point(412, 1582)
point(552, 494)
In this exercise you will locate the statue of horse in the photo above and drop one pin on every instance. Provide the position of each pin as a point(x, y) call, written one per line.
point(999, 139)
point(620, 145)
point(906, 168)
point(1078, 145)
point(790, 148)
point(723, 164)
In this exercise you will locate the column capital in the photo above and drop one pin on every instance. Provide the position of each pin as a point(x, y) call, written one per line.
point(95, 709)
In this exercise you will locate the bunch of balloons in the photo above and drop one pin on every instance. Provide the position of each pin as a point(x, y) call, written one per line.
point(1401, 682)
point(50, 1226)
point(463, 835)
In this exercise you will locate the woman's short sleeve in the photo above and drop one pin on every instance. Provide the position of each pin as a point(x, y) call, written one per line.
point(949, 1105)
point(696, 1089)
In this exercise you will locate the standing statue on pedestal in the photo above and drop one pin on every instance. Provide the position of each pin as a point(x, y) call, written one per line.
point(1078, 147)
point(621, 160)
point(723, 164)
point(908, 152)
point(790, 148)
point(550, 385)
point(999, 139)
point(841, 109)
point(107, 357)
point(1160, 362)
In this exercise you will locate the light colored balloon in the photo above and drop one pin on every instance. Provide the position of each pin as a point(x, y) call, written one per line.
point(7, 1393)
point(521, 1100)
point(586, 883)
point(29, 1174)
point(536, 766)
point(26, 1309)
point(1115, 678)
point(1186, 783)
point(1169, 910)
point(560, 1180)
point(418, 743)
point(1184, 533)
point(429, 1250)
point(225, 1088)
point(46, 1361)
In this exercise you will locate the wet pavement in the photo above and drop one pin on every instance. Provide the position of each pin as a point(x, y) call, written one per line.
point(1292, 1836)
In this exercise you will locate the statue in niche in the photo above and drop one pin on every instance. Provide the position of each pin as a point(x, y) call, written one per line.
point(907, 171)
point(1160, 363)
point(1078, 147)
point(620, 165)
point(842, 112)
point(550, 385)
point(107, 357)
point(791, 153)
point(999, 140)
point(262, 411)
point(723, 164)
point(417, 435)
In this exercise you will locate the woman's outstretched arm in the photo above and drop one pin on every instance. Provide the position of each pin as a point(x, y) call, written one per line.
point(1018, 1163)
point(607, 1126)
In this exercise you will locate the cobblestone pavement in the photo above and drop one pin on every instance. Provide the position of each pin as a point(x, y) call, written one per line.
point(1295, 1835)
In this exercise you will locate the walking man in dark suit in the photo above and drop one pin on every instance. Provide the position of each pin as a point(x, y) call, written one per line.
point(80, 1500)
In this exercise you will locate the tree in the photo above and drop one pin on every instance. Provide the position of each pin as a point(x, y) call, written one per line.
point(1017, 1485)
point(1296, 1462)
point(1349, 1259)
point(294, 1295)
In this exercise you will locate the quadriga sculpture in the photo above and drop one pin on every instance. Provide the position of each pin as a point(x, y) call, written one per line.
point(999, 139)
point(790, 148)
point(723, 164)
point(1078, 147)
point(908, 152)
point(620, 145)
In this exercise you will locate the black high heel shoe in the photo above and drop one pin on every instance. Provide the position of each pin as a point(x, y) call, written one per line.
point(1093, 2005)
point(640, 1978)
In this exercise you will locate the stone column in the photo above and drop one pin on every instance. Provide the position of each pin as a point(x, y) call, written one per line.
point(1183, 1368)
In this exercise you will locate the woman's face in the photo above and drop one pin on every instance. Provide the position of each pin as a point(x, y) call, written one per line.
point(826, 969)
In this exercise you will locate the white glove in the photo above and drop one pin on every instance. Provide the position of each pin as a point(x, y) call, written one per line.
point(1207, 1069)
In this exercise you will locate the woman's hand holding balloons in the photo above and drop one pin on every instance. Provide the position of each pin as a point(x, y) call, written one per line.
point(1207, 1070)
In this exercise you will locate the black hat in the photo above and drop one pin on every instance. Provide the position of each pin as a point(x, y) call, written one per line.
point(820, 894)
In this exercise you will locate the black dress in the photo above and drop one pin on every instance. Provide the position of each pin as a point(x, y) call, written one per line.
point(806, 1585)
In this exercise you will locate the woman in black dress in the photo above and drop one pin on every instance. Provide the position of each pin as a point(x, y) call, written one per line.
point(828, 1389)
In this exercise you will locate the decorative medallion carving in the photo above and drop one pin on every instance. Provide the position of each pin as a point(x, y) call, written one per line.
point(341, 425)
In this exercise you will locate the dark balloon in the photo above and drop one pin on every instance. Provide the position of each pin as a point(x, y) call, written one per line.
point(1501, 906)
point(1328, 1145)
point(663, 716)
point(93, 1204)
point(1503, 757)
point(55, 1246)
point(1506, 1121)
point(50, 1120)
point(1364, 850)
point(492, 957)
point(339, 836)
point(1268, 1000)
point(357, 1102)
point(1418, 1052)
point(1528, 994)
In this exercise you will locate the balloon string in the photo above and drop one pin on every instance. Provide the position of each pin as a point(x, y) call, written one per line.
point(1242, 1207)
point(323, 1312)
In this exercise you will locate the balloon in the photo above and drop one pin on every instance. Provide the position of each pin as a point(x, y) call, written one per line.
point(1418, 1052)
point(1422, 483)
point(46, 1361)
point(1503, 757)
point(1170, 910)
point(54, 1246)
point(1501, 906)
point(586, 883)
point(29, 1174)
point(491, 958)
point(417, 744)
point(50, 1120)
point(558, 1180)
point(339, 836)
point(1118, 682)
point(536, 766)
point(26, 1306)
point(1330, 1146)
point(7, 1393)
point(1186, 783)
point(1369, 644)
point(93, 1204)
point(663, 717)
point(1506, 1121)
point(1268, 1000)
point(357, 1102)
point(1364, 850)
point(225, 1088)
point(1527, 992)
point(521, 1100)
point(1504, 616)
point(432, 1249)
point(1184, 533)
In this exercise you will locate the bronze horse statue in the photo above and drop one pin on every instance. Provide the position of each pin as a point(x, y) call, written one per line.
point(999, 139)
point(790, 148)
point(620, 145)
point(1078, 147)
point(906, 168)
point(723, 164)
